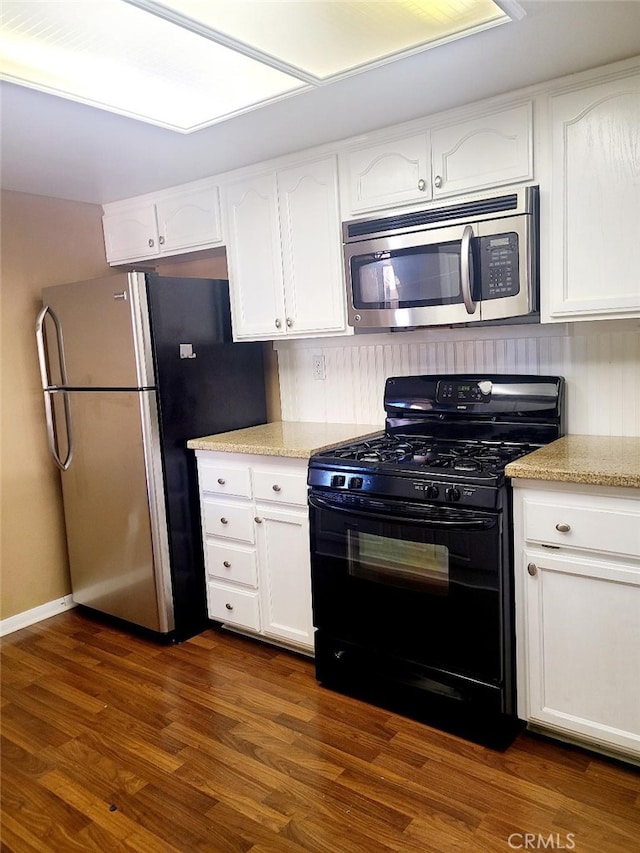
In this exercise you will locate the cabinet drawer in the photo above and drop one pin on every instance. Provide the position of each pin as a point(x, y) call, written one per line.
point(281, 487)
point(234, 606)
point(229, 520)
point(604, 529)
point(231, 563)
point(224, 479)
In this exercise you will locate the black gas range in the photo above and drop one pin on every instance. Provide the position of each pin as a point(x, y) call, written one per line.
point(412, 549)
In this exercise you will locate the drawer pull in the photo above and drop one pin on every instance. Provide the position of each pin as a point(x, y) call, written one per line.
point(563, 528)
point(258, 520)
point(224, 521)
point(229, 606)
point(276, 488)
point(227, 564)
point(222, 481)
point(532, 569)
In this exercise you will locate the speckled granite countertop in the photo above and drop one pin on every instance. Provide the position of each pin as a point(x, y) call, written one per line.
point(284, 438)
point(595, 459)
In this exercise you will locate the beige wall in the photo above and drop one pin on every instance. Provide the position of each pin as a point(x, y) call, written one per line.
point(44, 241)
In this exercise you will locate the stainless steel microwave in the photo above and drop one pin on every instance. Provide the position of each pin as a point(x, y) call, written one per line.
point(466, 260)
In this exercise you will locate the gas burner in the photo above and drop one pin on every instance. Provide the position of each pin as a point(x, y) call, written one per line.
point(424, 454)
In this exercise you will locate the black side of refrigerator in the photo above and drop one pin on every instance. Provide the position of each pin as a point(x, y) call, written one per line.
point(206, 384)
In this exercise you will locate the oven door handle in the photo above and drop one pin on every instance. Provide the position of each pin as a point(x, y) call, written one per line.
point(473, 522)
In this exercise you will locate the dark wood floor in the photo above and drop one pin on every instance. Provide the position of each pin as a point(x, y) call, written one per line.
point(223, 744)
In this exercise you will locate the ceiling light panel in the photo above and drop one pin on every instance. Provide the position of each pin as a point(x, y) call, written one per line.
point(326, 38)
point(113, 55)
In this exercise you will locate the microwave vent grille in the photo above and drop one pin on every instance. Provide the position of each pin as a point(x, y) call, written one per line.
point(406, 221)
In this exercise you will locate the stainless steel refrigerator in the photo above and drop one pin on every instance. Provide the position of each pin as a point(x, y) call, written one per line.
point(132, 366)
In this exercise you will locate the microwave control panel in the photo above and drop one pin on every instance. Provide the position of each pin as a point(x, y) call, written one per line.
point(499, 271)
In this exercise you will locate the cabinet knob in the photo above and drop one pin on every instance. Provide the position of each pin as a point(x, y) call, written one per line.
point(437, 182)
point(563, 528)
point(161, 240)
point(422, 185)
point(532, 569)
point(222, 481)
point(289, 322)
point(276, 488)
point(258, 520)
point(227, 564)
point(151, 242)
point(278, 324)
point(224, 521)
point(229, 606)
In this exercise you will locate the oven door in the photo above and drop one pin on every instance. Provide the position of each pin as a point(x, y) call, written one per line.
point(413, 582)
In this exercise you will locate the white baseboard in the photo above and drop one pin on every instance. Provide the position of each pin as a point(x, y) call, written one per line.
point(36, 614)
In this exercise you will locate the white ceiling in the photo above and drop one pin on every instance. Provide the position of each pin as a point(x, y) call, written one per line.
point(60, 148)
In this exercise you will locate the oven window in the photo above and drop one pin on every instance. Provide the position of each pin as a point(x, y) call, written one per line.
point(408, 278)
point(401, 563)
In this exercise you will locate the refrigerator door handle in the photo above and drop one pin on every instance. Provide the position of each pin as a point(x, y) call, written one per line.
point(63, 464)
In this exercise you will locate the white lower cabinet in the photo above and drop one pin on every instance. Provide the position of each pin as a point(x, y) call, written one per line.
point(255, 529)
point(285, 574)
point(577, 554)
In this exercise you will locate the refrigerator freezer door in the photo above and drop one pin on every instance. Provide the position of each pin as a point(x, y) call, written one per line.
point(114, 509)
point(104, 333)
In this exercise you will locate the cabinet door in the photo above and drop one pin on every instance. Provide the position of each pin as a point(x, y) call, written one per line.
point(285, 575)
point(482, 152)
point(389, 174)
point(131, 235)
point(583, 636)
point(254, 258)
point(594, 230)
point(189, 219)
point(312, 247)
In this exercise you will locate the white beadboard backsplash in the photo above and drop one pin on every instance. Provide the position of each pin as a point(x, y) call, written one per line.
point(599, 360)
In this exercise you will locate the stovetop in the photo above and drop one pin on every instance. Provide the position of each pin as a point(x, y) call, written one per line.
point(447, 438)
point(423, 454)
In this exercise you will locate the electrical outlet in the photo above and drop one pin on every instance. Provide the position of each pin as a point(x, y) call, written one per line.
point(319, 367)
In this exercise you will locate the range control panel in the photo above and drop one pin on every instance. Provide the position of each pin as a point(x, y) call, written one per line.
point(427, 490)
point(456, 391)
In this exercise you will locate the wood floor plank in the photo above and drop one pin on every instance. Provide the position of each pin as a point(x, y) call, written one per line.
point(222, 744)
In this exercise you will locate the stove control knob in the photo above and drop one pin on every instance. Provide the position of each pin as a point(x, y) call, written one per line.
point(432, 491)
point(355, 482)
point(452, 494)
point(337, 480)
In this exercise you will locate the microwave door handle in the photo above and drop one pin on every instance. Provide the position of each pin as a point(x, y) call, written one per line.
point(62, 464)
point(466, 270)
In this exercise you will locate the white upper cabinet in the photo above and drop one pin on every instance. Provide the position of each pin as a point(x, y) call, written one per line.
point(390, 173)
point(131, 234)
point(188, 219)
point(594, 225)
point(312, 247)
point(165, 223)
point(483, 152)
point(284, 252)
point(468, 155)
point(254, 257)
